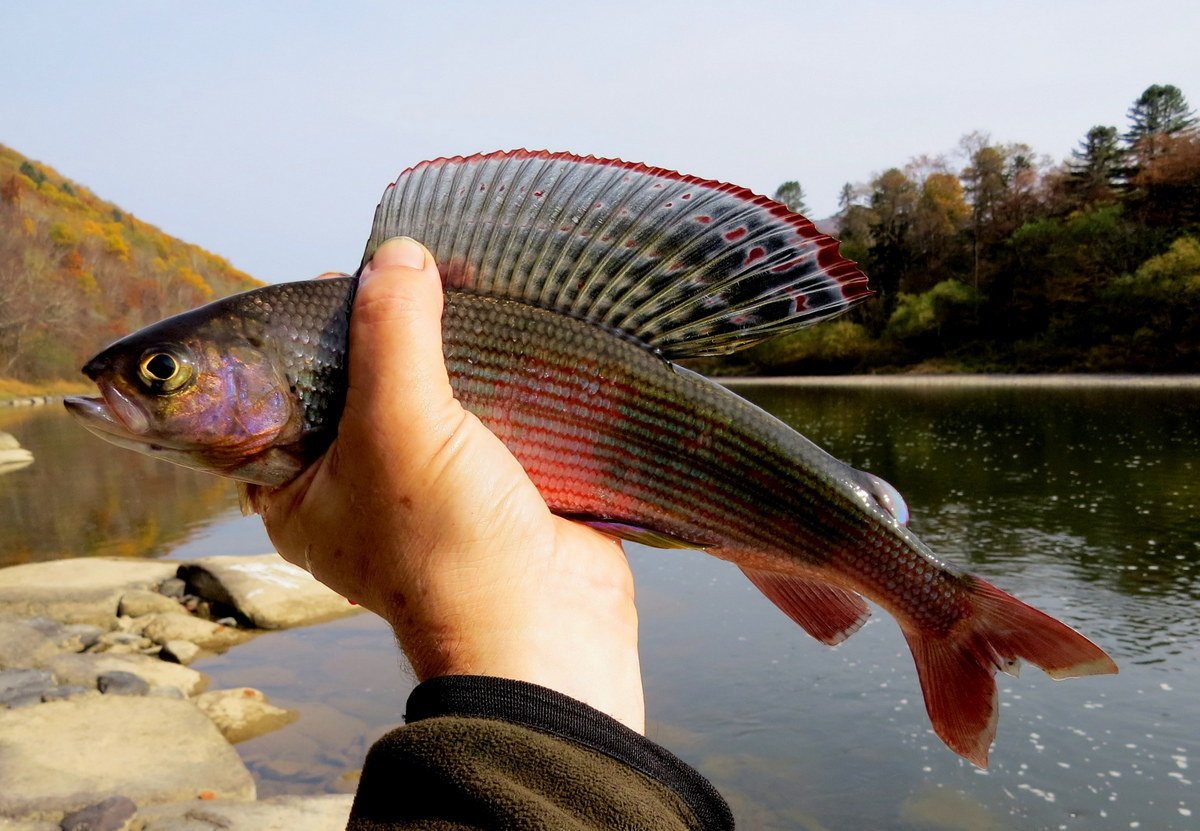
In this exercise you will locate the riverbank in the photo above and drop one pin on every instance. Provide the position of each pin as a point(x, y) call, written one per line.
point(102, 721)
point(972, 381)
point(14, 393)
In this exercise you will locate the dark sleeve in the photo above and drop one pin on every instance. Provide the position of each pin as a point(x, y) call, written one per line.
point(493, 753)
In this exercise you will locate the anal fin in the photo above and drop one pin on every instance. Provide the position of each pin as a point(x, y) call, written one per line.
point(828, 613)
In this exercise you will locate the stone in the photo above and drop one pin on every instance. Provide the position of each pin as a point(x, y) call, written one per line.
point(19, 682)
point(12, 455)
point(265, 589)
point(60, 756)
point(85, 669)
point(121, 683)
point(74, 637)
point(138, 602)
point(281, 813)
point(179, 652)
point(22, 645)
point(68, 691)
point(179, 626)
point(243, 713)
point(120, 642)
point(172, 587)
point(80, 590)
point(113, 814)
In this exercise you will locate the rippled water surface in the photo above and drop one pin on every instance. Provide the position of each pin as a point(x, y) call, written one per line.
point(1081, 502)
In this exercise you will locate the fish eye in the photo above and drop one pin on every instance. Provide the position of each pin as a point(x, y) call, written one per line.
point(163, 371)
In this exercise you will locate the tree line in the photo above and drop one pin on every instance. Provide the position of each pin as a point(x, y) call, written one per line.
point(1006, 261)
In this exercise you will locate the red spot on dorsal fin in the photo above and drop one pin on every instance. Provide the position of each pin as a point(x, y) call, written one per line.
point(736, 234)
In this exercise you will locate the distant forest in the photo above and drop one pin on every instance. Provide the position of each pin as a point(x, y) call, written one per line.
point(77, 272)
point(994, 259)
point(1012, 263)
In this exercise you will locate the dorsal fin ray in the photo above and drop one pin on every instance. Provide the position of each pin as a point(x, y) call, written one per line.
point(687, 266)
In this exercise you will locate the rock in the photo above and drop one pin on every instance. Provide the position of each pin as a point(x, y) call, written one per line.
point(266, 589)
point(120, 642)
point(281, 813)
point(122, 683)
point(179, 626)
point(243, 713)
point(74, 637)
point(81, 590)
point(86, 668)
point(69, 691)
point(172, 587)
point(12, 455)
point(113, 814)
point(179, 652)
point(140, 602)
point(60, 756)
point(15, 684)
point(22, 645)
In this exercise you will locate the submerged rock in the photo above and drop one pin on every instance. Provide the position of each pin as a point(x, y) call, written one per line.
point(60, 756)
point(281, 813)
point(266, 589)
point(243, 713)
point(80, 590)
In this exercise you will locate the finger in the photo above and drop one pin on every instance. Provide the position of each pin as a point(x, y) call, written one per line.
point(396, 365)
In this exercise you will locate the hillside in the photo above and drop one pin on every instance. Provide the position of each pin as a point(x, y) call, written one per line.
point(77, 272)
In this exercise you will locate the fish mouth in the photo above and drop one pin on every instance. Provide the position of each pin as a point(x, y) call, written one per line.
point(105, 421)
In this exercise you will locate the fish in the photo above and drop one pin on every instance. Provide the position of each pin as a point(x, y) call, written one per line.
point(573, 288)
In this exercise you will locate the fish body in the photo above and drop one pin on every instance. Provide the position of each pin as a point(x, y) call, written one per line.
point(570, 285)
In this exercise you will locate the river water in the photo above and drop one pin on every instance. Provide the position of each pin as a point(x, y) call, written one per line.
point(1083, 502)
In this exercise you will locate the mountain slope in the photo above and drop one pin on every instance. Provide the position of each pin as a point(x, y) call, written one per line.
point(77, 272)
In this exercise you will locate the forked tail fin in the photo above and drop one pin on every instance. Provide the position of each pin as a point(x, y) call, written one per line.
point(956, 670)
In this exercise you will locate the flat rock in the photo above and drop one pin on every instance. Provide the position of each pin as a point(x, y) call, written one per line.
point(243, 713)
point(22, 687)
point(179, 652)
point(281, 813)
point(79, 590)
point(266, 589)
point(85, 669)
point(180, 626)
point(66, 755)
point(138, 602)
point(23, 645)
point(73, 637)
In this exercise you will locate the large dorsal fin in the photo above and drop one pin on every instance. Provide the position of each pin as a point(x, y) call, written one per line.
point(688, 266)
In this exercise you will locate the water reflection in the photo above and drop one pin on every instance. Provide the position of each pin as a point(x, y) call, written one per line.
point(83, 497)
point(1083, 503)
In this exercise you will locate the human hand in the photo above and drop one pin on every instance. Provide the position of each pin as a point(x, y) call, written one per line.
point(420, 514)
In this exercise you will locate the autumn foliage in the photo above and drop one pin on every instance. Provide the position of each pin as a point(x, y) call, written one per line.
point(77, 272)
point(994, 258)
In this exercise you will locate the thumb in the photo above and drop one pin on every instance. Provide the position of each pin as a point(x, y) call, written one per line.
point(397, 371)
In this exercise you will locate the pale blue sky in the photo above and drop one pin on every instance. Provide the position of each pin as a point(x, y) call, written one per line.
point(266, 131)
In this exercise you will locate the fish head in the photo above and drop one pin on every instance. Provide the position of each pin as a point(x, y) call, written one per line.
point(206, 390)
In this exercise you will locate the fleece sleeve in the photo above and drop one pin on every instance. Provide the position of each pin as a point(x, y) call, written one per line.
point(492, 753)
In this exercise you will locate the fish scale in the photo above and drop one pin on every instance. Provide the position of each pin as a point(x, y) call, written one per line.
point(572, 283)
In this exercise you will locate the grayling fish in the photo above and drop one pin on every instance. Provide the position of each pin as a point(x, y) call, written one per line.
point(571, 285)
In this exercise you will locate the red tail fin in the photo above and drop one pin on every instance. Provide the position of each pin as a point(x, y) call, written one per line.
point(957, 670)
